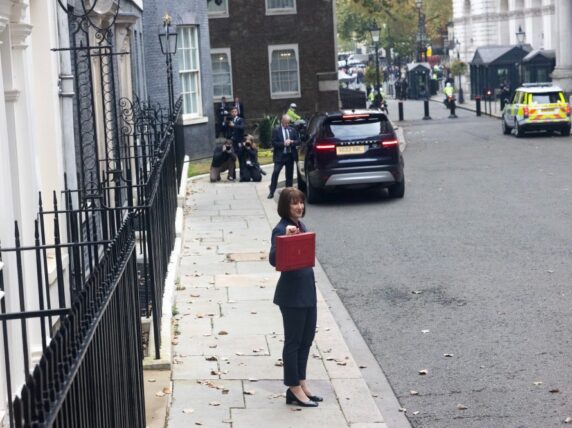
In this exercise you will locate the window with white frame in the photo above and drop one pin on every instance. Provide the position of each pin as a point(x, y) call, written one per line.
point(274, 7)
point(189, 70)
point(217, 8)
point(284, 71)
point(222, 73)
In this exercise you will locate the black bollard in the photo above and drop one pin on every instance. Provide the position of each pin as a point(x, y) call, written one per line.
point(478, 101)
point(400, 110)
point(426, 108)
point(452, 106)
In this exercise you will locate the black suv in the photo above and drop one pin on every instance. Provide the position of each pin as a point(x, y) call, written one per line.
point(350, 148)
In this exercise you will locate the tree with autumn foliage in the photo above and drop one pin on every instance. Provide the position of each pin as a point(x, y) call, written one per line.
point(355, 18)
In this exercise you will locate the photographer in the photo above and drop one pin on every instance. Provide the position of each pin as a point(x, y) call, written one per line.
point(224, 159)
point(223, 118)
point(248, 161)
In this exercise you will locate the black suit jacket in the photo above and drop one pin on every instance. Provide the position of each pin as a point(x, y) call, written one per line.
point(278, 143)
point(296, 288)
point(237, 133)
point(240, 107)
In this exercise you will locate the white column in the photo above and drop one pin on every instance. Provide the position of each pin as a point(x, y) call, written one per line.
point(562, 75)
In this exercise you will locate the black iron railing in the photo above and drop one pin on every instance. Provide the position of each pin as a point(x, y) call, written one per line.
point(90, 371)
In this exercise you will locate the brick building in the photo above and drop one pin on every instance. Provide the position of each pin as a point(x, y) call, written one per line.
point(274, 52)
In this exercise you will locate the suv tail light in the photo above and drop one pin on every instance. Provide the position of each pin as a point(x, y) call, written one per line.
point(567, 109)
point(525, 111)
point(388, 144)
point(325, 147)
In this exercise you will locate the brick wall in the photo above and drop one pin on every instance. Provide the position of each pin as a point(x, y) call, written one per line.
point(248, 32)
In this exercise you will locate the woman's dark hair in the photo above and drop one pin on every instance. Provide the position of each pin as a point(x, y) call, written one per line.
point(288, 196)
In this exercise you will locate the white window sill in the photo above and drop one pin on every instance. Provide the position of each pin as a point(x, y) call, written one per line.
point(218, 15)
point(284, 96)
point(193, 120)
point(280, 12)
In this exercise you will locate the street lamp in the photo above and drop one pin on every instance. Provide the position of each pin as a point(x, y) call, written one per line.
point(461, 95)
point(421, 30)
point(520, 37)
point(168, 42)
point(374, 31)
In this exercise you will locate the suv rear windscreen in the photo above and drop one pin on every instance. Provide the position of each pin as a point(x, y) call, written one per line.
point(346, 130)
point(546, 98)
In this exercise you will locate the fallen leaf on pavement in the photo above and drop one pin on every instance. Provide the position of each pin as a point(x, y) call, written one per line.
point(225, 391)
point(253, 312)
point(416, 412)
point(159, 394)
point(227, 421)
point(195, 295)
point(215, 372)
point(363, 367)
point(279, 363)
point(222, 333)
point(554, 391)
point(297, 409)
point(151, 380)
point(537, 383)
point(188, 411)
point(167, 390)
point(402, 409)
point(239, 353)
point(214, 403)
point(212, 346)
point(425, 331)
point(461, 407)
point(413, 392)
point(448, 355)
point(342, 363)
point(423, 372)
point(249, 392)
point(198, 423)
point(568, 420)
point(417, 292)
point(211, 358)
point(252, 379)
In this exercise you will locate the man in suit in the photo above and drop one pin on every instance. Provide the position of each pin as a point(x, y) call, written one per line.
point(236, 125)
point(239, 107)
point(285, 140)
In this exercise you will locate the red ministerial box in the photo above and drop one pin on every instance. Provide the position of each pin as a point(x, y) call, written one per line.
point(295, 251)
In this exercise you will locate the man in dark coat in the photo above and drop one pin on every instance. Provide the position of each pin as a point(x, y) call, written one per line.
point(236, 124)
point(239, 107)
point(224, 159)
point(285, 140)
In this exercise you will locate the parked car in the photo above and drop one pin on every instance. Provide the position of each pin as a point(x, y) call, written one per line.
point(537, 107)
point(350, 148)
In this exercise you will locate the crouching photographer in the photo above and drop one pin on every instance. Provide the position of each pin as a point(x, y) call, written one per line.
point(224, 159)
point(248, 160)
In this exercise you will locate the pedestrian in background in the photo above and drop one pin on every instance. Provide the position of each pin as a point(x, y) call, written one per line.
point(224, 159)
point(223, 116)
point(296, 296)
point(285, 139)
point(236, 124)
point(248, 161)
point(239, 107)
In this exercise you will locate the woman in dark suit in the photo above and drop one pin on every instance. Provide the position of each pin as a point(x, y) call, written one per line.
point(296, 296)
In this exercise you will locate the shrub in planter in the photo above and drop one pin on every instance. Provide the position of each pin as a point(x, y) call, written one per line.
point(264, 131)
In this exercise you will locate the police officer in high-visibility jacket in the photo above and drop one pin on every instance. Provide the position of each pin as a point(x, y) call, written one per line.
point(292, 113)
point(449, 92)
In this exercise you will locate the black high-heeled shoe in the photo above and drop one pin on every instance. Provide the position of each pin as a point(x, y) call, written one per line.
point(292, 399)
point(316, 398)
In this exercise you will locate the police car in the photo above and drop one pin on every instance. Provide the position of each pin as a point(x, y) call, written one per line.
point(537, 107)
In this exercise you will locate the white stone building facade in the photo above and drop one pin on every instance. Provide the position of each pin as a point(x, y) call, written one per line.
point(546, 24)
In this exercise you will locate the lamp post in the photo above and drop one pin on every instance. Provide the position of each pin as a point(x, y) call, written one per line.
point(168, 42)
point(520, 37)
point(375, 38)
point(461, 95)
point(421, 30)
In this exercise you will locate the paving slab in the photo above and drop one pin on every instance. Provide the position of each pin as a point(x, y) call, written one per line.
point(354, 401)
point(289, 417)
point(250, 293)
point(267, 280)
point(223, 346)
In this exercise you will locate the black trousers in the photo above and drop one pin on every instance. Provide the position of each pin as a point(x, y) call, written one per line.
point(288, 162)
point(299, 331)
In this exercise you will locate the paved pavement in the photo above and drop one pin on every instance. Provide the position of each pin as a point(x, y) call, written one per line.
point(228, 334)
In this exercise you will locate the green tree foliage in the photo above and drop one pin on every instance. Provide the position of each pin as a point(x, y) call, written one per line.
point(355, 18)
point(458, 68)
